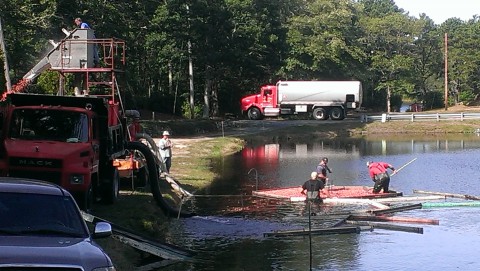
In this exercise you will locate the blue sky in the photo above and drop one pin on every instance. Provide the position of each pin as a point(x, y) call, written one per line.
point(441, 10)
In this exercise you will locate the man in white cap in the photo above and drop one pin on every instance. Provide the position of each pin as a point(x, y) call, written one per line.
point(311, 188)
point(165, 146)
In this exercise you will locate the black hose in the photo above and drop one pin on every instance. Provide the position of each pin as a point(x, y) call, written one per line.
point(154, 180)
point(157, 156)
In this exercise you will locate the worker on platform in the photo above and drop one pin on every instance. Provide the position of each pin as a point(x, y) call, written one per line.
point(81, 24)
point(379, 173)
point(312, 188)
point(322, 169)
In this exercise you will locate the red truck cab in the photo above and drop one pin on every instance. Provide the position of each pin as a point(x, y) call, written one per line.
point(262, 104)
point(55, 144)
point(59, 140)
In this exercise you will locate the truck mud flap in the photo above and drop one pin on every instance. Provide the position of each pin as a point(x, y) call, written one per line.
point(154, 180)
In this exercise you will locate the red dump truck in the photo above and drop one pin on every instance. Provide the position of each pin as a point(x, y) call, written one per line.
point(318, 99)
point(78, 139)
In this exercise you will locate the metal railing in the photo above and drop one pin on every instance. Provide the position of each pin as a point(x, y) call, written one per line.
point(420, 117)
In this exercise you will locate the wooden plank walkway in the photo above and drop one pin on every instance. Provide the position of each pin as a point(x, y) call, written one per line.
point(317, 231)
point(448, 195)
point(135, 240)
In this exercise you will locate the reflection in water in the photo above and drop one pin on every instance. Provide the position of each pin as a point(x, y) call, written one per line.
point(228, 234)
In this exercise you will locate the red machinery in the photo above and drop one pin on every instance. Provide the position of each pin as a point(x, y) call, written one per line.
point(78, 138)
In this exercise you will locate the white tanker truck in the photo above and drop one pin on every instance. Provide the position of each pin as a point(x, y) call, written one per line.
point(318, 99)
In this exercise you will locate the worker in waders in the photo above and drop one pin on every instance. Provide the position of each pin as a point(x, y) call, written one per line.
point(311, 188)
point(322, 169)
point(379, 174)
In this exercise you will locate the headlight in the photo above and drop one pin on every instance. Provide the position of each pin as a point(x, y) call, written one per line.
point(76, 179)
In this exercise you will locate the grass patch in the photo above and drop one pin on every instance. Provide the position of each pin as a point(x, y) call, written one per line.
point(193, 169)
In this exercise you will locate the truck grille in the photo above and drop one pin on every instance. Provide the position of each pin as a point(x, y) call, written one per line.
point(35, 162)
point(53, 177)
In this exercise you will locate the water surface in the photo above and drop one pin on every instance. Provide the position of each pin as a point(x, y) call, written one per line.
point(229, 232)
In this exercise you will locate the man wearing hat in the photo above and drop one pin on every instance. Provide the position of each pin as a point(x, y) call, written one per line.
point(311, 188)
point(322, 169)
point(165, 146)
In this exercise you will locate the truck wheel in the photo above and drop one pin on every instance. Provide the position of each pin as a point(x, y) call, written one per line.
point(337, 113)
point(320, 114)
point(254, 113)
point(112, 188)
point(142, 177)
point(149, 172)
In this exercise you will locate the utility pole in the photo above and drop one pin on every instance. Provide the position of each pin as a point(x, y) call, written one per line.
point(446, 71)
point(5, 60)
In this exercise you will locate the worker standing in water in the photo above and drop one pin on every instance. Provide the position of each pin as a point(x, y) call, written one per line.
point(379, 174)
point(312, 188)
point(322, 170)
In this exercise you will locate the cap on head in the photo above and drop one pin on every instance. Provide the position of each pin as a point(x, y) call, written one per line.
point(166, 133)
point(325, 159)
point(368, 163)
point(313, 175)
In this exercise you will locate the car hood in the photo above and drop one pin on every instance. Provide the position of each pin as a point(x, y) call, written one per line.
point(33, 250)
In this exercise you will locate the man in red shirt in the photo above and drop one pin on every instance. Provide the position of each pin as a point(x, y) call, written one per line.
point(378, 173)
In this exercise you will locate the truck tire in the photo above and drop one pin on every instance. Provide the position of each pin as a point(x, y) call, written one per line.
point(111, 189)
point(254, 113)
point(337, 113)
point(319, 114)
point(142, 177)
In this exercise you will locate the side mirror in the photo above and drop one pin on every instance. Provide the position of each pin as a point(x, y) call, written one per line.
point(102, 230)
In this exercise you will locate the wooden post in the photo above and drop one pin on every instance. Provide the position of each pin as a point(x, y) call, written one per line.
point(385, 226)
point(398, 209)
point(389, 96)
point(321, 231)
point(446, 71)
point(394, 219)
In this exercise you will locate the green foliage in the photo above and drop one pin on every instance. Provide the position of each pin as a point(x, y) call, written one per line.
point(466, 96)
point(396, 102)
point(433, 100)
point(48, 82)
point(239, 45)
point(197, 111)
point(324, 41)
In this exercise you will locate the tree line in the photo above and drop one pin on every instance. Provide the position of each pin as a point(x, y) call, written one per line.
point(235, 46)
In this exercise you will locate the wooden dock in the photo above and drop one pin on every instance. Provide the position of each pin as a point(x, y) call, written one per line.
point(137, 241)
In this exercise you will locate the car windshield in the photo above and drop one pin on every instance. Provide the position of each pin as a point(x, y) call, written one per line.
point(48, 124)
point(39, 214)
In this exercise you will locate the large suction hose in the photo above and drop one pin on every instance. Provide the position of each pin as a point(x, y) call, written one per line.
point(154, 180)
